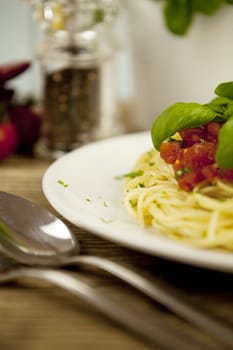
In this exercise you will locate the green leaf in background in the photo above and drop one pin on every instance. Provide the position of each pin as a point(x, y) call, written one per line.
point(225, 90)
point(178, 15)
point(179, 116)
point(208, 7)
point(98, 16)
point(225, 146)
point(4, 231)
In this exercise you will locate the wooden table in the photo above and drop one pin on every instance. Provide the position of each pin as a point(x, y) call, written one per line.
point(42, 317)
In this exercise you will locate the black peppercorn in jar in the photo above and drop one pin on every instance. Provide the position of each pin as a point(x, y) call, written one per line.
point(71, 106)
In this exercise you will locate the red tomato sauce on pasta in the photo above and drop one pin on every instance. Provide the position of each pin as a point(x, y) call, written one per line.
point(193, 157)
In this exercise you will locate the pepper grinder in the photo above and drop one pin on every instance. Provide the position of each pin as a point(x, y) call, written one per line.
point(77, 58)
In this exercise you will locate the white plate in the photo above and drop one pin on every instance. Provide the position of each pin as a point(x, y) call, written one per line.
point(92, 200)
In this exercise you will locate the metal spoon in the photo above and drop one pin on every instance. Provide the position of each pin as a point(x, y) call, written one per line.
point(32, 235)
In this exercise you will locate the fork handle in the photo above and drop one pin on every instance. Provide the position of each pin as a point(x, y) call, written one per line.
point(158, 334)
point(161, 294)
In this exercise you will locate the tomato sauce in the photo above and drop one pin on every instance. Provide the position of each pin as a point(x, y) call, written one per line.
point(193, 157)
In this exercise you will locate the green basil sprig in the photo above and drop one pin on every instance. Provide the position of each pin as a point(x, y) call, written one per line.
point(179, 116)
point(183, 115)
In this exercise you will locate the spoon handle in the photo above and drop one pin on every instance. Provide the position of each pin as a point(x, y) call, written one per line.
point(164, 295)
point(158, 334)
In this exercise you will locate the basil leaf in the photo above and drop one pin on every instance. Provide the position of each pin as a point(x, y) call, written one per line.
point(221, 101)
point(217, 108)
point(178, 15)
point(219, 105)
point(179, 116)
point(225, 90)
point(225, 145)
point(228, 111)
point(208, 7)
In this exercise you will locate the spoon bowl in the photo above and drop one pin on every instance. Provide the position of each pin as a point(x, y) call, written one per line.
point(34, 234)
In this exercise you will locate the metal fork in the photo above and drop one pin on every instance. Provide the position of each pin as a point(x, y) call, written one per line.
point(163, 295)
point(159, 335)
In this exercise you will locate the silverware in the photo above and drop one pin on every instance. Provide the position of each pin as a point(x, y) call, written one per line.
point(158, 335)
point(32, 235)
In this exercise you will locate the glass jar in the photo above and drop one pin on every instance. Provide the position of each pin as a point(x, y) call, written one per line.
point(78, 66)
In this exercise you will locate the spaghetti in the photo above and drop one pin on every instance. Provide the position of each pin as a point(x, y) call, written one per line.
point(202, 217)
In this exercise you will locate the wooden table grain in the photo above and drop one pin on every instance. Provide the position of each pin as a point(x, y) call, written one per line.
point(41, 317)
